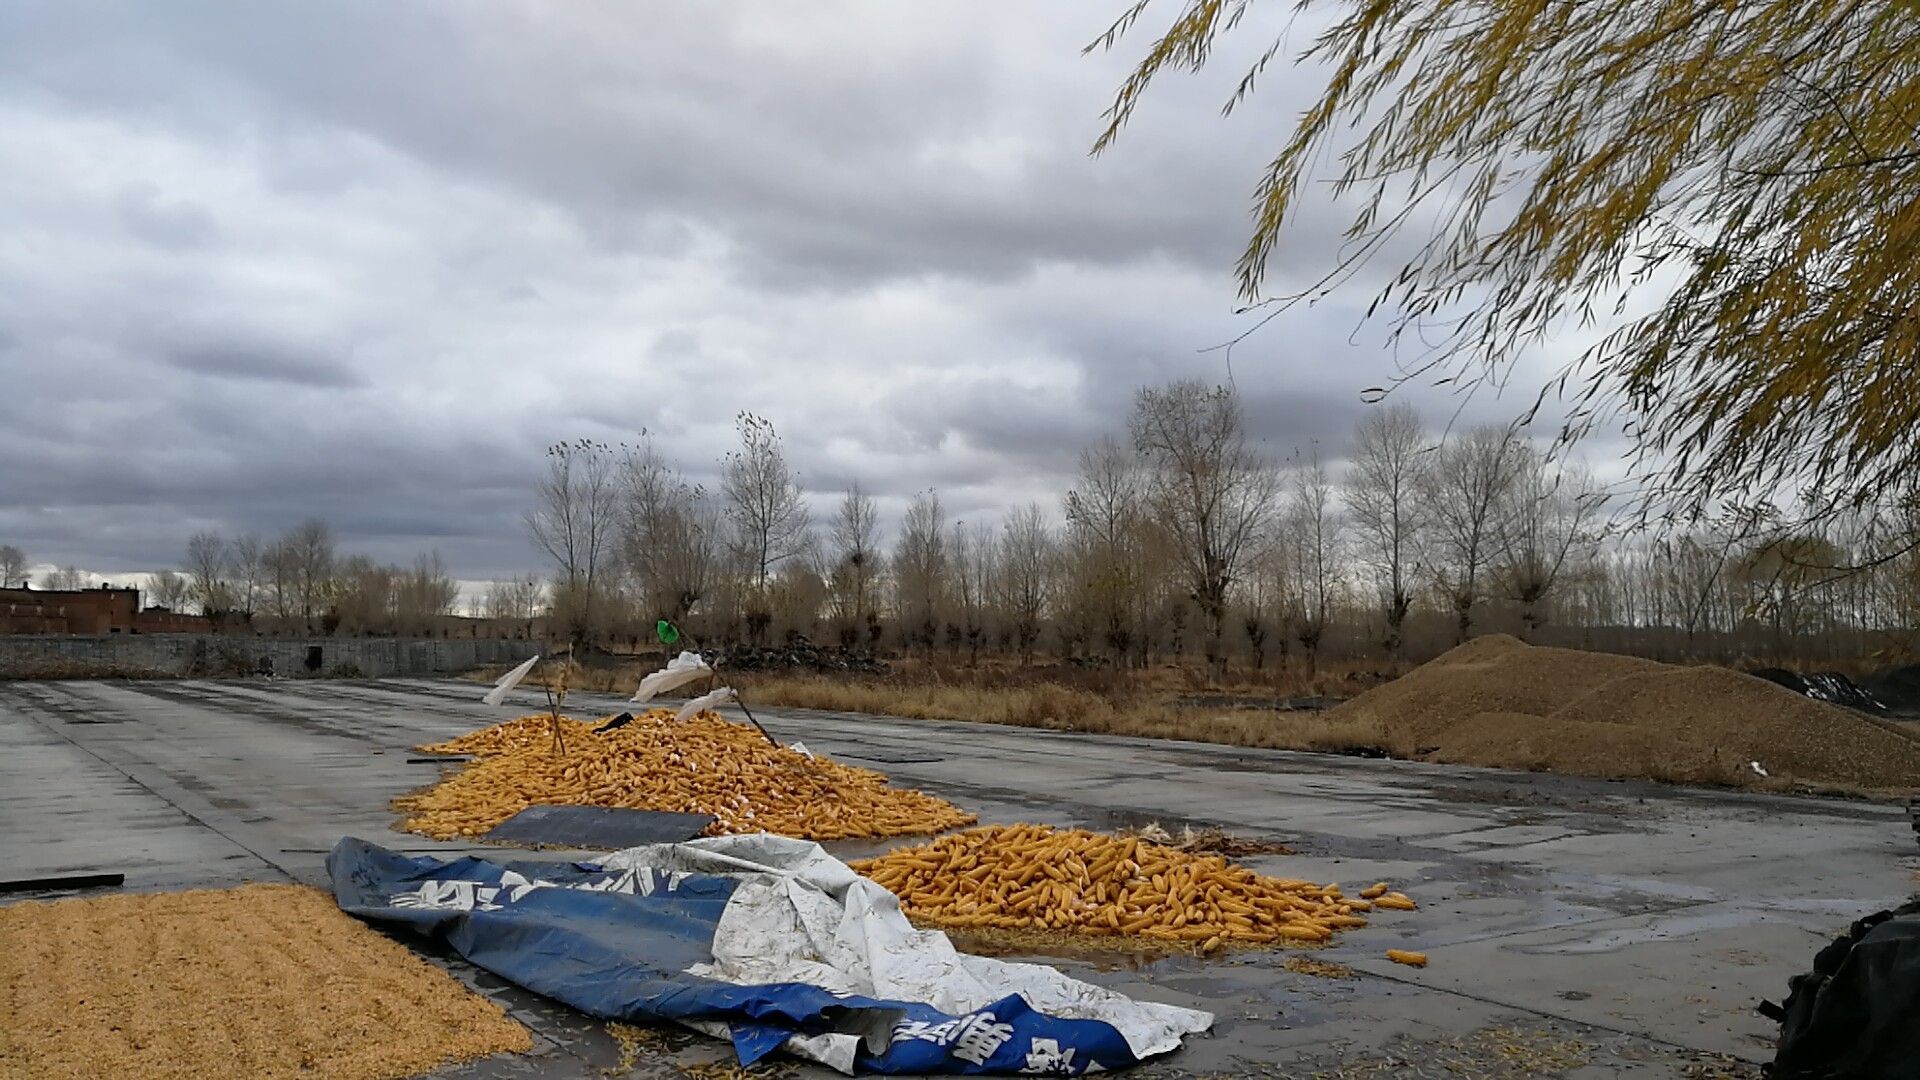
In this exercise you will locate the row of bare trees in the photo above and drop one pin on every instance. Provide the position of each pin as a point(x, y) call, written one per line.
point(300, 577)
point(1183, 536)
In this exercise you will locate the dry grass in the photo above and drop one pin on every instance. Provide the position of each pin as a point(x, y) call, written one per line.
point(1055, 707)
point(1139, 703)
point(1495, 702)
point(1337, 680)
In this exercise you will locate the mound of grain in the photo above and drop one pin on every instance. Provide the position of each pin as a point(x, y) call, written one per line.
point(1496, 673)
point(1725, 719)
point(704, 765)
point(1032, 877)
point(260, 981)
point(1511, 740)
point(1498, 701)
point(525, 733)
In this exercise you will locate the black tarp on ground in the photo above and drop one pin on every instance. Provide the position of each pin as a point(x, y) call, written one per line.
point(1828, 686)
point(599, 828)
point(1856, 1015)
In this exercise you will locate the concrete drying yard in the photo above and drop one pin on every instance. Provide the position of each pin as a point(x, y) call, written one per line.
point(1576, 927)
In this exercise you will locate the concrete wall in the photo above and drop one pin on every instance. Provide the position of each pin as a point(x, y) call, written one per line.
point(215, 655)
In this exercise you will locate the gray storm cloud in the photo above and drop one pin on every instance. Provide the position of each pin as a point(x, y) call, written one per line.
point(363, 260)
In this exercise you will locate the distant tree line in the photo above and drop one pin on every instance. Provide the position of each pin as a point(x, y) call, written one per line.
point(300, 577)
point(1182, 538)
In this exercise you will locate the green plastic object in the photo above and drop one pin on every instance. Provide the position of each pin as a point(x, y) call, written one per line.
point(669, 633)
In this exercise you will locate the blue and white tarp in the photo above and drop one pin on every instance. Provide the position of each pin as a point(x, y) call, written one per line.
point(767, 941)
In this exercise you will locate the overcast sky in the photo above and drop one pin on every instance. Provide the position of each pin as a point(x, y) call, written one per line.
point(364, 260)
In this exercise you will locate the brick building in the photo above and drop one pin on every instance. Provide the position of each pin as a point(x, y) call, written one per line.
point(105, 610)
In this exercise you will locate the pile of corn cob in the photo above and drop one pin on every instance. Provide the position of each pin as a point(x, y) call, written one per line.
point(528, 732)
point(704, 765)
point(1034, 877)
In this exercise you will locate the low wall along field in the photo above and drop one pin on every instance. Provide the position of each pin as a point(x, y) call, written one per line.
point(216, 655)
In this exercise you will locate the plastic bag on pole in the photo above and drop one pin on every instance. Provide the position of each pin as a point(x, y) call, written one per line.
point(508, 681)
point(722, 696)
point(679, 671)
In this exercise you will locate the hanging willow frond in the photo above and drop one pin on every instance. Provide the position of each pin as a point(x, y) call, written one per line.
point(1754, 162)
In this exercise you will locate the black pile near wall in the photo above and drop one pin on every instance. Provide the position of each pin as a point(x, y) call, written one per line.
point(798, 654)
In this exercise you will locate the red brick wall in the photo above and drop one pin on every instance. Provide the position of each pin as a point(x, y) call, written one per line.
point(89, 611)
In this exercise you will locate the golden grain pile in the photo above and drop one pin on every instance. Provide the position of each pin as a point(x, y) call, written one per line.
point(1499, 701)
point(1040, 878)
point(703, 766)
point(263, 981)
point(526, 733)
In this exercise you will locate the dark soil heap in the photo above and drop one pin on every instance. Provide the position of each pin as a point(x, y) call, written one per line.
point(1499, 701)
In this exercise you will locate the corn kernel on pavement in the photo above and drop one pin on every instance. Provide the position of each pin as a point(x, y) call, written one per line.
point(705, 765)
point(1036, 877)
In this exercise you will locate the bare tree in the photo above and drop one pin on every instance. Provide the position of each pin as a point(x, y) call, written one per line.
point(763, 499)
point(1106, 521)
point(1468, 488)
point(308, 550)
point(1384, 484)
point(1313, 535)
point(920, 569)
point(1027, 558)
point(1550, 517)
point(364, 596)
point(973, 578)
point(207, 564)
point(279, 580)
point(13, 566)
point(1262, 597)
point(515, 598)
point(67, 578)
point(169, 589)
point(800, 589)
point(247, 559)
point(423, 593)
point(1209, 488)
point(855, 536)
point(670, 535)
point(573, 521)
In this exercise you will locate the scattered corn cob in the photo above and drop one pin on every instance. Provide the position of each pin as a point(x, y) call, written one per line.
point(1411, 959)
point(1035, 877)
point(705, 765)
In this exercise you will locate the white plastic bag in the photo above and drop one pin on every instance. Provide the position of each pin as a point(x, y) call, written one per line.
point(508, 681)
point(679, 671)
point(722, 696)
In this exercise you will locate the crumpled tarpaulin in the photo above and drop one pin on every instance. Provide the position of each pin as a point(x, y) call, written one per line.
point(767, 941)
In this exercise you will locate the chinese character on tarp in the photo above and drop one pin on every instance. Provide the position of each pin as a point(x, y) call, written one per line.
point(979, 1037)
point(1045, 1058)
point(973, 1037)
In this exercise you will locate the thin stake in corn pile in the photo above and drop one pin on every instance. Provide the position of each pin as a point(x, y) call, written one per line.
point(704, 765)
point(1035, 877)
